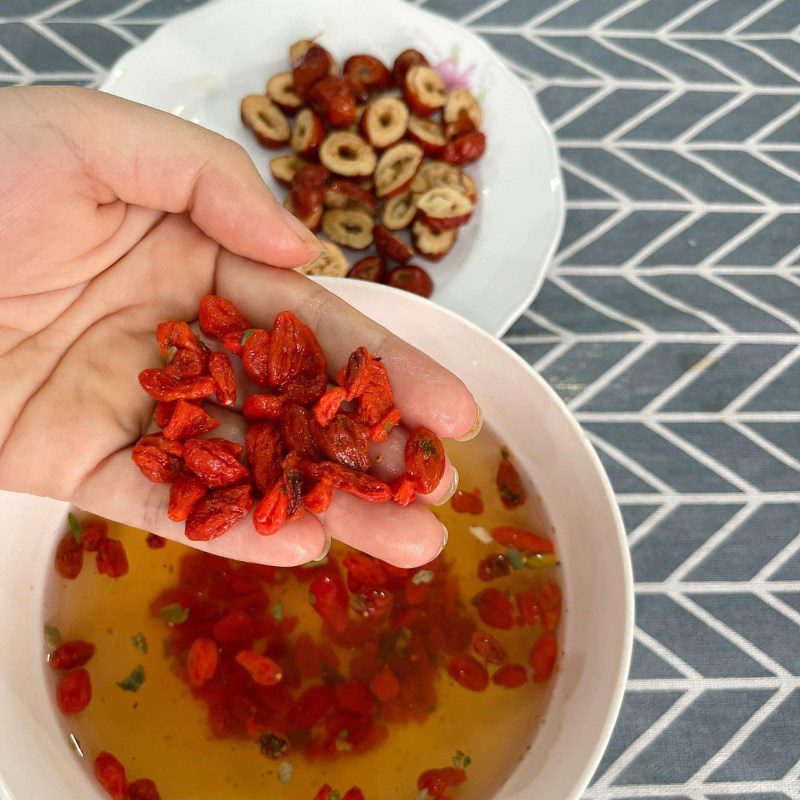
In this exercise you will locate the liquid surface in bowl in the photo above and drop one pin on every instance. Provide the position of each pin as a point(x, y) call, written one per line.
point(162, 732)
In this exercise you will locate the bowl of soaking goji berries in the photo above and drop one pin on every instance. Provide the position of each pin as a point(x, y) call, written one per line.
point(138, 668)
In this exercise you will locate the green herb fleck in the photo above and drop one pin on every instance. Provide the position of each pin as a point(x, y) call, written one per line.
point(174, 613)
point(277, 611)
point(516, 558)
point(423, 576)
point(461, 759)
point(312, 598)
point(74, 527)
point(247, 334)
point(342, 745)
point(285, 772)
point(134, 681)
point(334, 795)
point(423, 795)
point(52, 636)
point(140, 643)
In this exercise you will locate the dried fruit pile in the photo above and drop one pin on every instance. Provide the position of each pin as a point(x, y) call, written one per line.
point(372, 143)
point(303, 442)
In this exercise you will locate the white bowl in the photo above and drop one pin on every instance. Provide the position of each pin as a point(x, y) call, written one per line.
point(202, 63)
point(36, 762)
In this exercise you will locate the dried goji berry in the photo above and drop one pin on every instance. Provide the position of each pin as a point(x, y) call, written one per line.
point(160, 385)
point(263, 670)
point(111, 774)
point(233, 342)
point(467, 502)
point(354, 696)
point(324, 793)
point(160, 460)
point(329, 598)
point(523, 540)
point(264, 454)
point(527, 606)
point(218, 511)
point(143, 789)
point(174, 333)
point(344, 440)
point(385, 685)
point(308, 656)
point(213, 462)
point(495, 609)
point(377, 398)
point(163, 413)
point(255, 356)
point(318, 499)
point(425, 460)
point(311, 382)
point(74, 692)
point(487, 647)
point(509, 484)
point(495, 565)
point(543, 657)
point(155, 542)
point(469, 672)
point(69, 655)
point(437, 781)
point(202, 660)
point(511, 676)
point(111, 558)
point(353, 793)
point(219, 366)
point(187, 364)
point(184, 494)
point(219, 317)
point(188, 420)
point(365, 569)
point(272, 510)
point(263, 407)
point(550, 605)
point(286, 348)
point(404, 491)
point(296, 432)
point(347, 480)
point(235, 626)
point(327, 406)
point(380, 431)
point(92, 534)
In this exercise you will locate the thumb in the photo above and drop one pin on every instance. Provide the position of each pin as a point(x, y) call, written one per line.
point(156, 160)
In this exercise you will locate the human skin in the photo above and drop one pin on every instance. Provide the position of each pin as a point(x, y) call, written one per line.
point(115, 217)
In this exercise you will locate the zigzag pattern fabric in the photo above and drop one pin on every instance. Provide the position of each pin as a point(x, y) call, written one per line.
point(670, 324)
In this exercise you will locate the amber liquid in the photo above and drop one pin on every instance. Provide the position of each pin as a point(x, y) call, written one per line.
point(161, 732)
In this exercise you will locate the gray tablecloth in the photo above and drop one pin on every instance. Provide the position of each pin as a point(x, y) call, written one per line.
point(670, 324)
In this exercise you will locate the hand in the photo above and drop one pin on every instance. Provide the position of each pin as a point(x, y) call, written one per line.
point(114, 217)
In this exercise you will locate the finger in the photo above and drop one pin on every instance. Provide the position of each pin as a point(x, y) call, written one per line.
point(153, 159)
point(118, 490)
point(405, 537)
point(425, 392)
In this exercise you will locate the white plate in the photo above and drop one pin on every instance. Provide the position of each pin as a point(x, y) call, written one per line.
point(201, 64)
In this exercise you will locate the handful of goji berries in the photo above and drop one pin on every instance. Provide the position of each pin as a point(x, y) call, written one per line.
point(304, 440)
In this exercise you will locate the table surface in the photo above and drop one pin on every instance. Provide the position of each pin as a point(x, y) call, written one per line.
point(670, 324)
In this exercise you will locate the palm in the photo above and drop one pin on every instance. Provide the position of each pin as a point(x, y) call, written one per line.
point(86, 277)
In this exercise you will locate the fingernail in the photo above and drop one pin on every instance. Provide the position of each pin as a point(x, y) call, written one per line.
point(302, 232)
point(451, 491)
point(444, 541)
point(325, 549)
point(475, 429)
